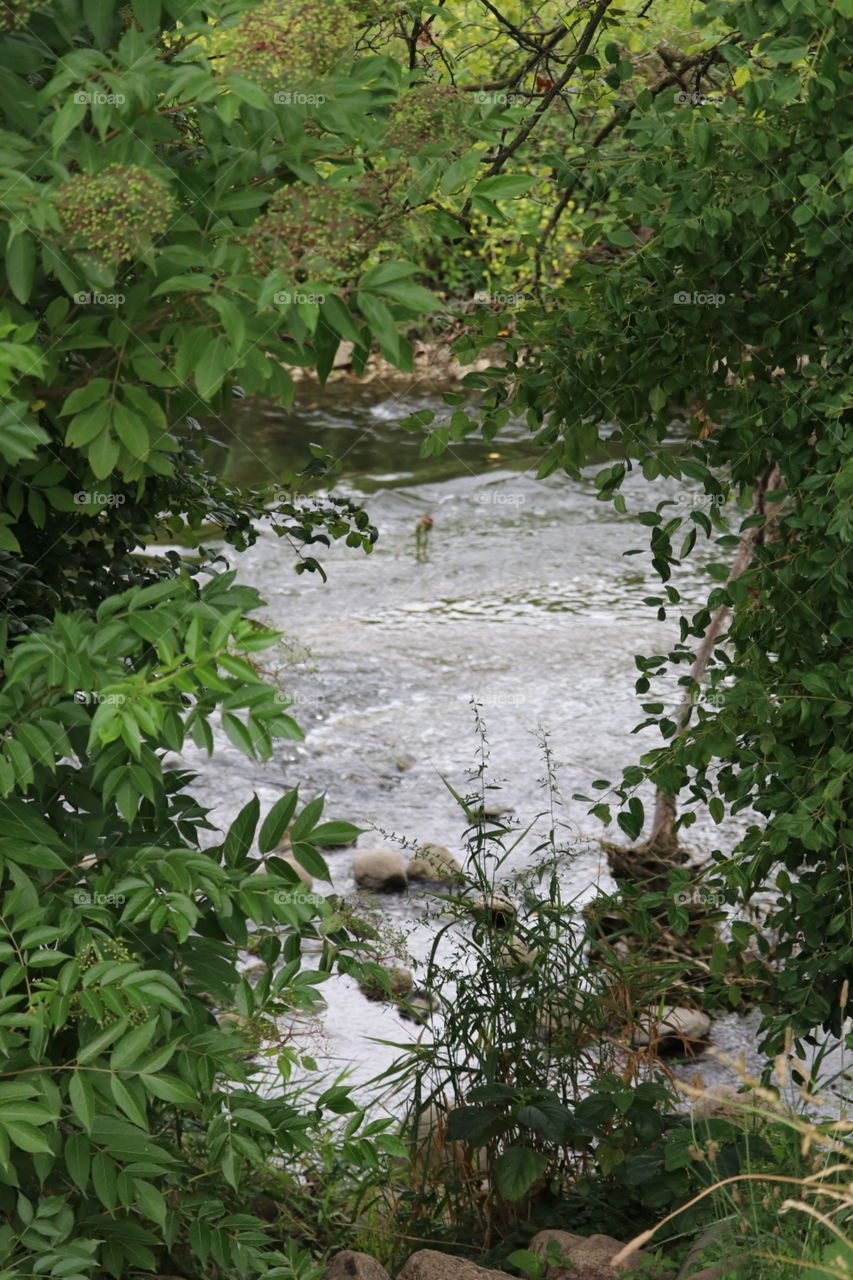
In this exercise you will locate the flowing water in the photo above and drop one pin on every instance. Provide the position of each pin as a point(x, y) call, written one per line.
point(526, 600)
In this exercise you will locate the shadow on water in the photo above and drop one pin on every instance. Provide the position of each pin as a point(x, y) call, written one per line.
point(360, 425)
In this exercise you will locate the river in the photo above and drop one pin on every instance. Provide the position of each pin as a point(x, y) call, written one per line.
point(525, 601)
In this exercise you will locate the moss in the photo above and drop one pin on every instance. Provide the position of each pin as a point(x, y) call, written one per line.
point(113, 216)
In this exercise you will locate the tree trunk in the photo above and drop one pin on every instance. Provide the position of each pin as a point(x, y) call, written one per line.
point(662, 845)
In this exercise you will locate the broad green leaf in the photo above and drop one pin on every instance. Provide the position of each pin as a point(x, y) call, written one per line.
point(171, 1089)
point(276, 822)
point(82, 1099)
point(20, 265)
point(516, 1171)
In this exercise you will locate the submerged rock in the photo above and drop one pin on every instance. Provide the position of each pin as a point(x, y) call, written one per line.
point(516, 957)
point(418, 1006)
point(401, 981)
point(380, 870)
point(433, 862)
point(497, 911)
point(672, 1030)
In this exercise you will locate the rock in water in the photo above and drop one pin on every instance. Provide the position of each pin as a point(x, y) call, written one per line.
point(401, 981)
point(380, 870)
point(499, 912)
point(418, 1006)
point(672, 1030)
point(433, 862)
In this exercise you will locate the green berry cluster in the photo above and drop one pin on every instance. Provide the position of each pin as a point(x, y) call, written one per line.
point(287, 41)
point(430, 113)
point(113, 216)
point(14, 17)
point(310, 231)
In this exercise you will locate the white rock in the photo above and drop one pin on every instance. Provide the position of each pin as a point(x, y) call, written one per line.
point(380, 870)
point(500, 911)
point(434, 862)
point(671, 1027)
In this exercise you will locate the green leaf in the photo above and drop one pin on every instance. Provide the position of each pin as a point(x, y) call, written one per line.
point(82, 1099)
point(241, 833)
point(340, 319)
point(25, 1136)
point(504, 186)
point(330, 833)
point(212, 368)
point(104, 1180)
point(517, 1169)
point(125, 1100)
point(90, 393)
point(99, 1042)
point(131, 432)
point(171, 1089)
point(477, 1125)
point(313, 862)
point(20, 265)
point(305, 823)
point(128, 1050)
point(151, 1202)
point(382, 324)
point(103, 455)
point(459, 173)
point(277, 821)
point(77, 1154)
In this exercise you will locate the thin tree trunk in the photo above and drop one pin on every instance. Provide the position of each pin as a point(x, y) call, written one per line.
point(663, 839)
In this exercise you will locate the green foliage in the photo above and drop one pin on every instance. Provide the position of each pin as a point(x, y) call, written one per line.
point(528, 1106)
point(727, 323)
point(137, 1050)
point(284, 42)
